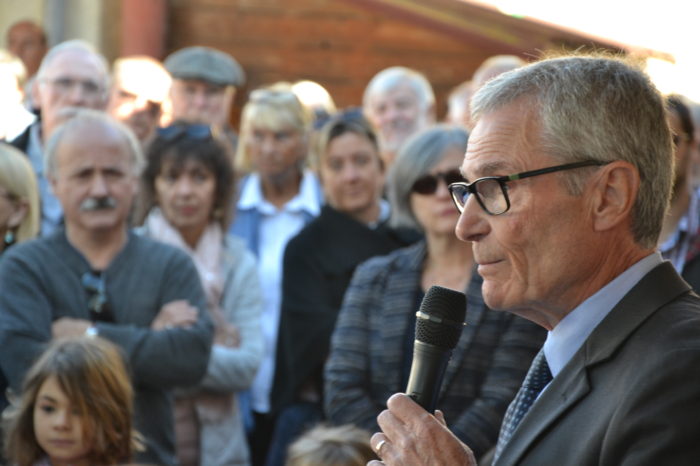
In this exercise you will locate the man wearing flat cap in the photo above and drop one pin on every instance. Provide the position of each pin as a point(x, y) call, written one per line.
point(204, 85)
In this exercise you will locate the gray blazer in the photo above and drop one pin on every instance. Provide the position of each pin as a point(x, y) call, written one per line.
point(631, 394)
point(368, 350)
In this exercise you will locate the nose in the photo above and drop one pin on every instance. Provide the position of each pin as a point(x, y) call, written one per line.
point(62, 420)
point(441, 192)
point(98, 187)
point(183, 187)
point(267, 145)
point(472, 224)
point(199, 99)
point(350, 172)
point(77, 94)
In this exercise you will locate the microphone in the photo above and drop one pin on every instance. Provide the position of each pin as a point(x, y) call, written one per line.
point(439, 323)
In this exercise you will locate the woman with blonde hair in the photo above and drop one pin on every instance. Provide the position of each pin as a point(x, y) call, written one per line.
point(277, 197)
point(75, 408)
point(19, 198)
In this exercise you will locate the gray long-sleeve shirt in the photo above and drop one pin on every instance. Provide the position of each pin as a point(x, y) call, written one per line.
point(40, 281)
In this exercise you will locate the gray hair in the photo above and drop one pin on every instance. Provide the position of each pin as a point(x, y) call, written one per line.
point(396, 75)
point(75, 121)
point(75, 45)
point(417, 157)
point(596, 108)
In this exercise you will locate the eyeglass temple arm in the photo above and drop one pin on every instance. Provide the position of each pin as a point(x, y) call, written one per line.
point(544, 171)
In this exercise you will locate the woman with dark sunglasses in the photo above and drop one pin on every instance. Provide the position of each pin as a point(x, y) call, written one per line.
point(187, 188)
point(372, 346)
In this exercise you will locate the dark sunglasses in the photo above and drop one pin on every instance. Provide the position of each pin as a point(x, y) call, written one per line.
point(94, 285)
point(428, 184)
point(183, 130)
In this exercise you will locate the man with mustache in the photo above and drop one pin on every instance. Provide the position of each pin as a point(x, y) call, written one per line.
point(95, 277)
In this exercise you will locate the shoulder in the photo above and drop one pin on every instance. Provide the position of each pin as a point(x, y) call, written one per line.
point(404, 259)
point(39, 251)
point(147, 250)
point(409, 256)
point(236, 251)
point(319, 229)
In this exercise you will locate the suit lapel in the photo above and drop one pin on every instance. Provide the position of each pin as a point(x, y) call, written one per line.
point(654, 290)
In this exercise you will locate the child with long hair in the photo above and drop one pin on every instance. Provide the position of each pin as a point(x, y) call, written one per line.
point(75, 408)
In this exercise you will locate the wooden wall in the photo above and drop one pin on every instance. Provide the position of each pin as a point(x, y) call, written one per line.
point(339, 44)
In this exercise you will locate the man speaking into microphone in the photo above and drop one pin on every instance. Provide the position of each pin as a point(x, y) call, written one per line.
point(568, 175)
point(372, 347)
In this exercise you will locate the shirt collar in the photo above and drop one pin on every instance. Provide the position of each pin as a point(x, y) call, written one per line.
point(572, 331)
point(384, 213)
point(306, 200)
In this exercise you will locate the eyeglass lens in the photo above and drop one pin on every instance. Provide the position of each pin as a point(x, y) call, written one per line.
point(65, 85)
point(428, 184)
point(489, 194)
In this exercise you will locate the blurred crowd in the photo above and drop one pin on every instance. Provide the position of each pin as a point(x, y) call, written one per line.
point(174, 290)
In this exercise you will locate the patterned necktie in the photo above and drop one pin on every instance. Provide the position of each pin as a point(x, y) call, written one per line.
point(537, 378)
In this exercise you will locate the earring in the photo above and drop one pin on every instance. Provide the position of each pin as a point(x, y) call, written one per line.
point(9, 238)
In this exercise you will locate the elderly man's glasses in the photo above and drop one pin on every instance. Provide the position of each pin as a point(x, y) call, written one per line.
point(94, 285)
point(492, 191)
point(66, 85)
point(428, 184)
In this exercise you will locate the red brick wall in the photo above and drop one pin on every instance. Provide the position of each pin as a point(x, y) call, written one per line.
point(337, 43)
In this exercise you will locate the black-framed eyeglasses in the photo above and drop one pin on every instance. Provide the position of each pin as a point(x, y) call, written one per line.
point(98, 306)
point(184, 130)
point(428, 184)
point(492, 191)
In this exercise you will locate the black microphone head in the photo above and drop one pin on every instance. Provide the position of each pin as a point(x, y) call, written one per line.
point(441, 317)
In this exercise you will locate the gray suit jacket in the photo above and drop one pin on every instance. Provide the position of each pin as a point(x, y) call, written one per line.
point(631, 394)
point(368, 351)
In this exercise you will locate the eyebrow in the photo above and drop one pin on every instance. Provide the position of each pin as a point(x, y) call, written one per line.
point(487, 168)
point(47, 398)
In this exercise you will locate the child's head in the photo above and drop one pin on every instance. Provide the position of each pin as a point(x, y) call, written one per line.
point(331, 446)
point(76, 405)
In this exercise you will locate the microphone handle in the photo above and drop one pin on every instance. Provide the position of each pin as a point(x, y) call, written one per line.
point(427, 370)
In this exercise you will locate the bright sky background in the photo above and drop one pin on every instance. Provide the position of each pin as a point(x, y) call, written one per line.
point(670, 26)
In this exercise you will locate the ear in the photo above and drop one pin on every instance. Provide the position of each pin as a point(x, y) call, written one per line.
point(19, 211)
point(35, 93)
point(613, 195)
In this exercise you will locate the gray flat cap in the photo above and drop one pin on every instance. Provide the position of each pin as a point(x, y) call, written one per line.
point(207, 64)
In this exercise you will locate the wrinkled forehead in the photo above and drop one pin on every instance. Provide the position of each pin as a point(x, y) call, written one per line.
point(504, 141)
point(76, 63)
point(402, 91)
point(101, 136)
